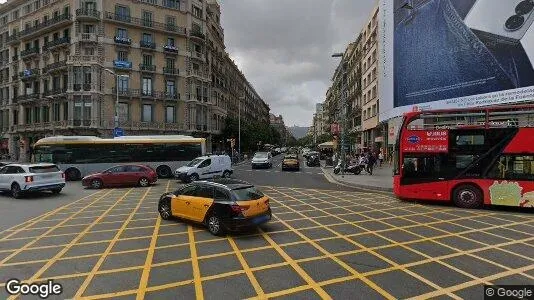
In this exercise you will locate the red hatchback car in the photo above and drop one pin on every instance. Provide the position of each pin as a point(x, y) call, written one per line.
point(122, 175)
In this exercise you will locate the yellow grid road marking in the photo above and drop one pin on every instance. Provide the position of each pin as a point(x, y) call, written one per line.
point(194, 262)
point(246, 267)
point(92, 274)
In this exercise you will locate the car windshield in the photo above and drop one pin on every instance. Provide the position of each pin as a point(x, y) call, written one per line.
point(260, 155)
point(247, 194)
point(194, 162)
point(291, 156)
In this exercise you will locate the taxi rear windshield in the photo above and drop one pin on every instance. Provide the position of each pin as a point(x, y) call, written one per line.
point(44, 169)
point(247, 194)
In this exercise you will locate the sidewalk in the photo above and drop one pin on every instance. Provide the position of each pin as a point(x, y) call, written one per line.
point(381, 180)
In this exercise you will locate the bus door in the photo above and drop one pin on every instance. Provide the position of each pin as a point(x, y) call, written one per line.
point(424, 176)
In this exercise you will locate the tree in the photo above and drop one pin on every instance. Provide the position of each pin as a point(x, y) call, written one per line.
point(251, 134)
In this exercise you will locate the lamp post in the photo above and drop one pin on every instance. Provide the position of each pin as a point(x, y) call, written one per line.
point(342, 108)
point(239, 125)
point(116, 122)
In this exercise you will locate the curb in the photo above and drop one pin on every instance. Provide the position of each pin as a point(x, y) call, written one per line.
point(371, 188)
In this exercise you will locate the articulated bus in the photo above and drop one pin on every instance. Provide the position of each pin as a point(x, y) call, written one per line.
point(82, 155)
point(472, 157)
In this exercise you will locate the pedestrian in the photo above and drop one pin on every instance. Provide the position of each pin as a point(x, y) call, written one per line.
point(371, 161)
point(380, 159)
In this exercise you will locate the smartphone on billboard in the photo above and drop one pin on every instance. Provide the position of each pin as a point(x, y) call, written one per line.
point(505, 20)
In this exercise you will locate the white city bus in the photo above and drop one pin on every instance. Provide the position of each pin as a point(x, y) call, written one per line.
point(82, 155)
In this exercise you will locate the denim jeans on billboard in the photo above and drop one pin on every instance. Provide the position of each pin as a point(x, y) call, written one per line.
point(438, 57)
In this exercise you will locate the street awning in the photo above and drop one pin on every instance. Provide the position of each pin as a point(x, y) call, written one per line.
point(327, 145)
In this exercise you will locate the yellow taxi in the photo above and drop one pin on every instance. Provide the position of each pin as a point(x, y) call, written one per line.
point(220, 204)
point(291, 162)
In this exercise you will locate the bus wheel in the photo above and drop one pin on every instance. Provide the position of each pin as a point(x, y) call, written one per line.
point(467, 196)
point(72, 174)
point(164, 172)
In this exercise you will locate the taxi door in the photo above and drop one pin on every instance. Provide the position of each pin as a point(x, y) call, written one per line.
point(200, 203)
point(181, 203)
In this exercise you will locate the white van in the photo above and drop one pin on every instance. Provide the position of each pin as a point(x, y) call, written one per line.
point(205, 167)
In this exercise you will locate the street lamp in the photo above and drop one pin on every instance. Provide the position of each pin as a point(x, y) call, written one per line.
point(239, 125)
point(116, 124)
point(342, 109)
point(53, 125)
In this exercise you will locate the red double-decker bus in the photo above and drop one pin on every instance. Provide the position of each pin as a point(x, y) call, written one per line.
point(473, 157)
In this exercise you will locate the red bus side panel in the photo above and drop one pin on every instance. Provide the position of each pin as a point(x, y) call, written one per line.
point(523, 142)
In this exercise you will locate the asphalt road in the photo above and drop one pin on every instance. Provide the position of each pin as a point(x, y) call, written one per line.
point(325, 241)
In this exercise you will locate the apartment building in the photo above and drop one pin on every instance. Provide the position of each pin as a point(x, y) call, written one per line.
point(69, 67)
point(353, 99)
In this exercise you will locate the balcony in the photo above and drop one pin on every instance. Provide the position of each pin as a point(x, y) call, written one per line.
point(147, 45)
point(197, 34)
point(55, 66)
point(196, 73)
point(27, 98)
point(170, 71)
point(120, 64)
point(126, 19)
point(13, 38)
point(123, 92)
point(171, 96)
point(170, 49)
point(147, 68)
point(89, 38)
point(29, 74)
point(55, 92)
point(49, 24)
point(87, 14)
point(197, 55)
point(64, 41)
point(29, 53)
point(123, 40)
point(83, 59)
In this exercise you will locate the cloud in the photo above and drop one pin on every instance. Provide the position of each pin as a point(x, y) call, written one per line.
point(284, 46)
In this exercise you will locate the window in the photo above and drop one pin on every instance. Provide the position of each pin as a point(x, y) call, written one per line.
point(205, 163)
point(88, 28)
point(124, 83)
point(122, 12)
point(122, 33)
point(170, 63)
point(27, 9)
point(147, 37)
point(118, 169)
point(135, 169)
point(469, 140)
point(169, 114)
point(78, 105)
point(170, 87)
point(189, 191)
point(15, 15)
point(171, 3)
point(147, 18)
point(65, 110)
point(124, 112)
point(170, 20)
point(197, 12)
point(147, 113)
point(56, 108)
point(89, 51)
point(147, 86)
point(28, 115)
point(170, 41)
point(221, 195)
point(204, 192)
point(147, 60)
point(37, 114)
point(247, 194)
point(514, 167)
point(122, 56)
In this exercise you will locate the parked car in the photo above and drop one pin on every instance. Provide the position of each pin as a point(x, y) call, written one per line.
point(220, 204)
point(291, 162)
point(20, 179)
point(262, 159)
point(122, 175)
point(205, 167)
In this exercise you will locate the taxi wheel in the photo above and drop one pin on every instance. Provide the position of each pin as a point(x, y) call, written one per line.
point(214, 225)
point(193, 177)
point(56, 191)
point(164, 208)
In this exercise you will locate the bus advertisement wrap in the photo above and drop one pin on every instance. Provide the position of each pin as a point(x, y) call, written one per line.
point(449, 54)
point(427, 141)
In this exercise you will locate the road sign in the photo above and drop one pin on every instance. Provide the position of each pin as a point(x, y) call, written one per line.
point(117, 132)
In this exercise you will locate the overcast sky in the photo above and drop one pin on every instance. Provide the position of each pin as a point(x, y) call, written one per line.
point(284, 46)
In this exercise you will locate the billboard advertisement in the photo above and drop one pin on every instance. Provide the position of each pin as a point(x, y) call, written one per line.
point(447, 54)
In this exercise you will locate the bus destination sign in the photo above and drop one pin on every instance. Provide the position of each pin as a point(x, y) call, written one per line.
point(422, 141)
